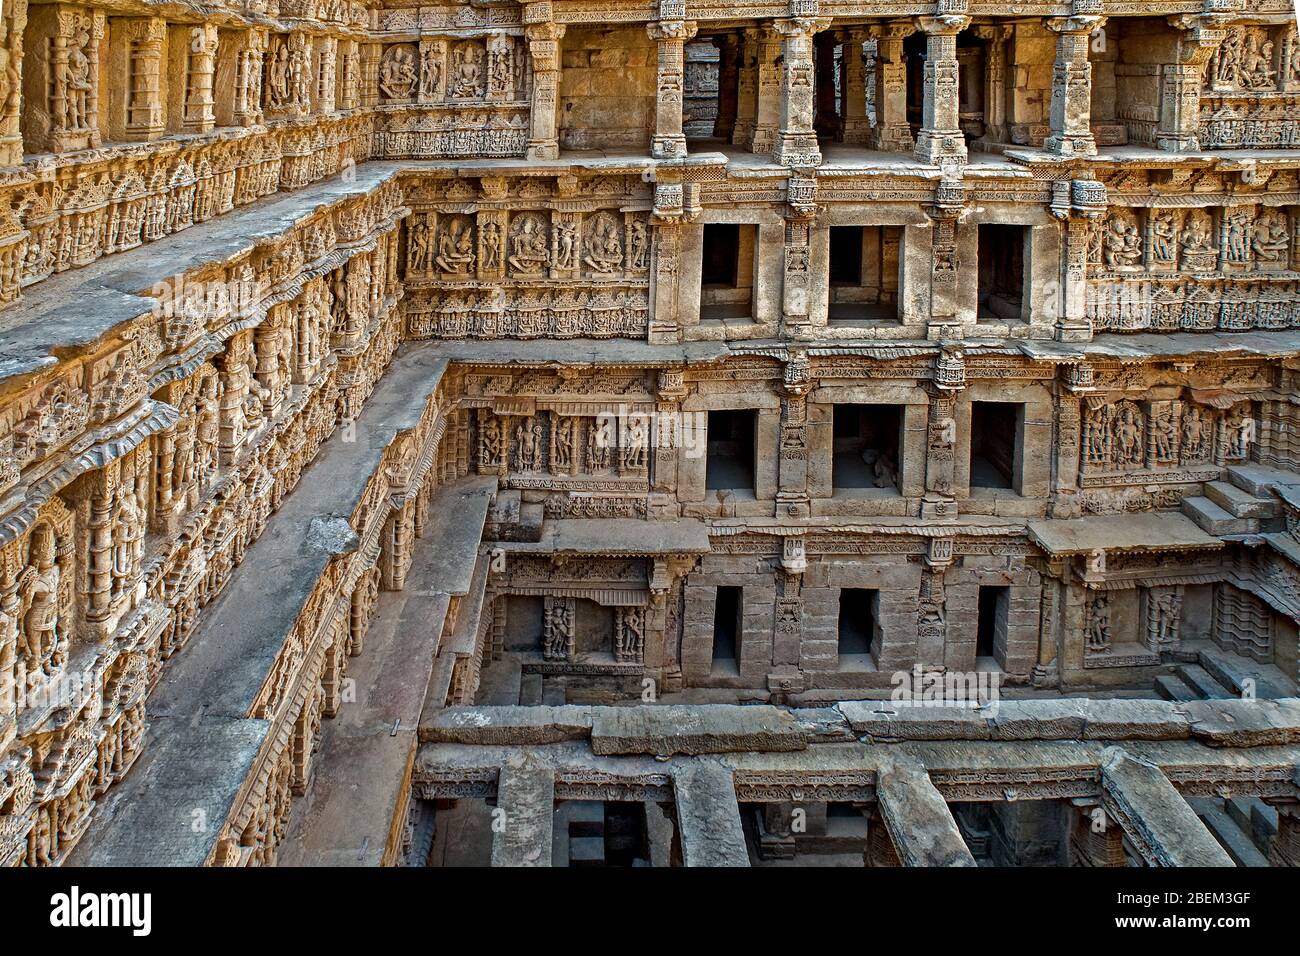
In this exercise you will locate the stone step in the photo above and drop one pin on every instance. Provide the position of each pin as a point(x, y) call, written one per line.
point(1240, 503)
point(1233, 672)
point(1202, 682)
point(1255, 817)
point(1258, 480)
point(1172, 687)
point(1231, 837)
point(1214, 520)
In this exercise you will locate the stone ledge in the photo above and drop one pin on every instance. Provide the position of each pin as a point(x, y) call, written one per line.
point(701, 729)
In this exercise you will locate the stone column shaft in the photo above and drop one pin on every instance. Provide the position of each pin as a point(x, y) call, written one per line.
point(853, 104)
point(742, 133)
point(892, 132)
point(544, 48)
point(1072, 87)
point(940, 140)
point(796, 141)
point(671, 35)
point(728, 85)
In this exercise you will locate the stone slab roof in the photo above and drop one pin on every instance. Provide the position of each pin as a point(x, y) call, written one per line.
point(1129, 532)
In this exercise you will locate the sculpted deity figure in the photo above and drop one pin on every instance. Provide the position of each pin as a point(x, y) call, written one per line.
point(490, 453)
point(1226, 64)
point(566, 244)
point(640, 245)
point(128, 534)
point(418, 254)
point(1128, 435)
point(430, 73)
point(605, 247)
point(1195, 239)
point(1194, 434)
point(76, 80)
point(1257, 63)
point(1237, 248)
point(1164, 613)
point(1097, 628)
point(1164, 238)
point(634, 453)
point(1240, 426)
point(562, 453)
point(1164, 434)
point(529, 254)
point(456, 248)
point(467, 71)
point(42, 645)
point(397, 73)
point(559, 630)
point(208, 430)
point(598, 447)
point(1269, 241)
point(1122, 246)
point(491, 246)
point(277, 77)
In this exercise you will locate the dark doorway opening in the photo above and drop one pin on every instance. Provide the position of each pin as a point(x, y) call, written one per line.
point(865, 449)
point(729, 463)
point(1001, 272)
point(857, 627)
point(726, 627)
point(992, 633)
point(993, 431)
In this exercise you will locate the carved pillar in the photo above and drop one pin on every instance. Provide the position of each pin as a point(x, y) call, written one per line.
point(796, 141)
point(544, 47)
point(892, 132)
point(940, 140)
point(1180, 88)
point(348, 68)
point(945, 213)
point(324, 92)
point(728, 84)
point(1079, 203)
point(792, 471)
point(248, 79)
point(136, 84)
point(801, 211)
point(1094, 839)
point(742, 131)
point(827, 122)
point(12, 23)
point(853, 104)
point(941, 439)
point(368, 91)
point(1072, 86)
point(671, 35)
point(995, 80)
point(198, 110)
point(768, 109)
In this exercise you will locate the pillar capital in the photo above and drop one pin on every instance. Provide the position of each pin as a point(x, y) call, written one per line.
point(681, 30)
point(1083, 24)
point(947, 24)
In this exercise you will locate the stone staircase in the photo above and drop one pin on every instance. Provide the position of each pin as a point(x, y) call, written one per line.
point(1243, 504)
point(1243, 826)
point(1218, 674)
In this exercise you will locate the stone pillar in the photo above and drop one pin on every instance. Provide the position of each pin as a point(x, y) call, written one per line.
point(135, 65)
point(1080, 203)
point(995, 80)
point(669, 141)
point(1072, 86)
point(940, 141)
point(801, 212)
point(742, 132)
point(768, 112)
point(856, 126)
point(12, 24)
point(941, 445)
point(368, 88)
point(1180, 88)
point(198, 109)
point(879, 850)
point(544, 48)
point(945, 213)
point(349, 65)
point(796, 141)
point(324, 93)
point(827, 122)
point(728, 85)
point(792, 469)
point(248, 80)
point(892, 132)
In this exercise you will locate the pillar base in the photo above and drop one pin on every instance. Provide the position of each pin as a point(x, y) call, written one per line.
point(1061, 144)
point(799, 150)
point(668, 147)
point(544, 149)
point(941, 147)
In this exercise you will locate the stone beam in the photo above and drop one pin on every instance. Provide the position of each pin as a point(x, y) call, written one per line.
point(917, 817)
point(1158, 822)
point(525, 815)
point(708, 816)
